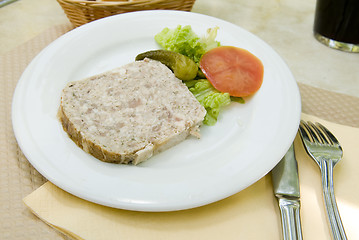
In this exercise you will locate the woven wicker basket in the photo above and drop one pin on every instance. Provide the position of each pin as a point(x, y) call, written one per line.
point(80, 12)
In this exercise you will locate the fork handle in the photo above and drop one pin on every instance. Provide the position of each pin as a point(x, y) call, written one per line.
point(335, 221)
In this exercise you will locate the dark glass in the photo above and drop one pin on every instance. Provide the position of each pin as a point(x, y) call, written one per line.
point(338, 20)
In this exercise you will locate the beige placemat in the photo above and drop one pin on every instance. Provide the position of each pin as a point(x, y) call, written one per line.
point(18, 178)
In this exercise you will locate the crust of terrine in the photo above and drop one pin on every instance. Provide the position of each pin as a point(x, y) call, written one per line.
point(141, 116)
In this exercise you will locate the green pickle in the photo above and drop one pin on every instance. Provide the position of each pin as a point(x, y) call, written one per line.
point(183, 67)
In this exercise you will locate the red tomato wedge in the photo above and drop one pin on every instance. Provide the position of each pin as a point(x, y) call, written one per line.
point(232, 70)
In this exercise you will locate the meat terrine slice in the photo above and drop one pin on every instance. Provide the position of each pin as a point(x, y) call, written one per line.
point(130, 113)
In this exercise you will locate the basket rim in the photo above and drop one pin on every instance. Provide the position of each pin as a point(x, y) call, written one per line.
point(117, 2)
point(80, 12)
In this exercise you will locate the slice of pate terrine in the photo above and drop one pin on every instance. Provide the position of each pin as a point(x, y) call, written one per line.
point(128, 114)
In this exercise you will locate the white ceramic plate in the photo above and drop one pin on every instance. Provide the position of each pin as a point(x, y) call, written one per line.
point(246, 143)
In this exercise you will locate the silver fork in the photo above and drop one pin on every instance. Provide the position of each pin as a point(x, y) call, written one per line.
point(324, 148)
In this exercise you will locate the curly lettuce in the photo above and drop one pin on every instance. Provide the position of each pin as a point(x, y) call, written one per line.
point(212, 100)
point(183, 40)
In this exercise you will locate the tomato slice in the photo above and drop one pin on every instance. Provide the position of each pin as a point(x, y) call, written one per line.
point(232, 70)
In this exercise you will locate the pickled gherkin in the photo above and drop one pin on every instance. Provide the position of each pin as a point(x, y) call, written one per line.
point(183, 67)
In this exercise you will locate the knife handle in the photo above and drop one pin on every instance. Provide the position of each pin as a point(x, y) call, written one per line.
point(290, 214)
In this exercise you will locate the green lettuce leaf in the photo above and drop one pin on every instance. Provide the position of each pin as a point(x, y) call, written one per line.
point(212, 100)
point(183, 40)
point(210, 39)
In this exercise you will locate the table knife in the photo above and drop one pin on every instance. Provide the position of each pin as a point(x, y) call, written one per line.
point(286, 189)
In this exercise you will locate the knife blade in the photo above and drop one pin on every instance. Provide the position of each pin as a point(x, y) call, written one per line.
point(286, 189)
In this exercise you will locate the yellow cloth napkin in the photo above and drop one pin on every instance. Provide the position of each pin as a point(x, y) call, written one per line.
point(250, 214)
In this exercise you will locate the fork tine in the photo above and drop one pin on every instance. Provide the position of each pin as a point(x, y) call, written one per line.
point(322, 135)
point(303, 130)
point(314, 132)
point(326, 139)
point(329, 135)
point(306, 135)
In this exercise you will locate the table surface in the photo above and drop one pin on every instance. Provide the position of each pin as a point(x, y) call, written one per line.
point(285, 25)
